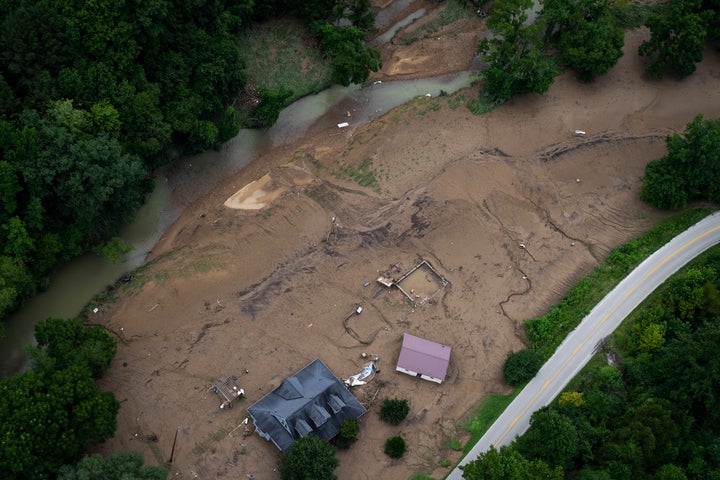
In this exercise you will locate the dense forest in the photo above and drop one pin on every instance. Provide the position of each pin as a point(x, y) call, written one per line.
point(95, 95)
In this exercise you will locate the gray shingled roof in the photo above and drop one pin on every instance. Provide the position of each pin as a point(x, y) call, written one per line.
point(313, 401)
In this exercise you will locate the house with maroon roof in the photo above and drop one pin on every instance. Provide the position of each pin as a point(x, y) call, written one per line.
point(423, 358)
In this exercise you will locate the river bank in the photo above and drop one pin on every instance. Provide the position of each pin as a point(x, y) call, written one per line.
point(259, 293)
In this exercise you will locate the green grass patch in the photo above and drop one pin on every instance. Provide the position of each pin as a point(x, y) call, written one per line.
point(456, 100)
point(363, 175)
point(283, 53)
point(546, 332)
point(454, 11)
point(631, 16)
point(485, 415)
point(481, 105)
point(420, 476)
point(453, 444)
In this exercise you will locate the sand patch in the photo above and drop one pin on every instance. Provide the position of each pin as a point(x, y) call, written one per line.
point(260, 193)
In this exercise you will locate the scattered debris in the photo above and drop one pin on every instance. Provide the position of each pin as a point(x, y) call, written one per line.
point(358, 378)
point(228, 389)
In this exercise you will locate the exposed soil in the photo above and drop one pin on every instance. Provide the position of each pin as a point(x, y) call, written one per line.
point(262, 285)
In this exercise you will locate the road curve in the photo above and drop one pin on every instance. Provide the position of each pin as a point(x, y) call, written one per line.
point(577, 348)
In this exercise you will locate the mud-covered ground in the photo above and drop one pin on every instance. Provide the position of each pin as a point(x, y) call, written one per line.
point(261, 286)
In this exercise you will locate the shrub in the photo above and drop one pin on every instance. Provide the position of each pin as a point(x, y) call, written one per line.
point(395, 447)
point(521, 366)
point(348, 433)
point(309, 458)
point(394, 411)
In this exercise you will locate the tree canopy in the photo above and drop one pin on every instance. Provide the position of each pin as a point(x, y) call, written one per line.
point(48, 420)
point(62, 343)
point(517, 63)
point(118, 466)
point(691, 169)
point(588, 35)
point(679, 31)
point(309, 458)
point(521, 366)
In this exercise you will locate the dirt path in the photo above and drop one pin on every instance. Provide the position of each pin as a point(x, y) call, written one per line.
point(259, 293)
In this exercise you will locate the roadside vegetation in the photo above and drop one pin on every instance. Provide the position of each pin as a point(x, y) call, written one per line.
point(545, 333)
point(646, 407)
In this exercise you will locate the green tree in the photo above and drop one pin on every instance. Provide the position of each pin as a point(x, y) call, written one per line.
point(394, 410)
point(351, 60)
point(678, 35)
point(271, 104)
point(593, 47)
point(9, 189)
point(348, 433)
point(86, 185)
point(15, 283)
point(309, 458)
point(516, 62)
point(62, 343)
point(588, 35)
point(117, 466)
point(690, 170)
point(395, 447)
point(521, 366)
point(687, 373)
point(670, 472)
point(508, 464)
point(49, 420)
point(552, 438)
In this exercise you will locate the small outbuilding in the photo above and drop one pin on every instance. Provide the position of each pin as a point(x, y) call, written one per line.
point(423, 358)
point(311, 402)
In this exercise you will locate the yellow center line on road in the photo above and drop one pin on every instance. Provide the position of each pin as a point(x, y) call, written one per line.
point(595, 329)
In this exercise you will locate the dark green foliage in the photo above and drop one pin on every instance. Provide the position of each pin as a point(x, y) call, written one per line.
point(552, 437)
point(395, 447)
point(678, 35)
point(394, 410)
point(83, 121)
point(507, 463)
point(271, 103)
point(351, 60)
point(516, 61)
point(309, 458)
point(594, 48)
point(118, 466)
point(63, 343)
point(521, 366)
point(691, 169)
point(587, 33)
point(49, 419)
point(348, 433)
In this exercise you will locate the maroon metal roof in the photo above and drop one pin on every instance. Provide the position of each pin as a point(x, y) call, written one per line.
point(424, 356)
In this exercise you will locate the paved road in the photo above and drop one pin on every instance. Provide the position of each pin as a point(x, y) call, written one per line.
point(578, 347)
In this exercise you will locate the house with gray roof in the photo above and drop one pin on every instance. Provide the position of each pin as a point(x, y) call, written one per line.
point(423, 358)
point(311, 402)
